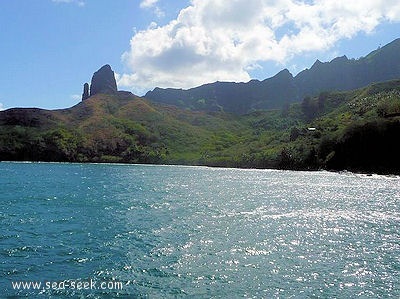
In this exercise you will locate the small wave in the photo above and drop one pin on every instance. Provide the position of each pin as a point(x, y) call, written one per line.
point(21, 251)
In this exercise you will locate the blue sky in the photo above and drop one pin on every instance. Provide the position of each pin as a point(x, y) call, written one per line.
point(50, 48)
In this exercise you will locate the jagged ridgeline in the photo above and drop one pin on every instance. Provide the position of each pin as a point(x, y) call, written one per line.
point(315, 123)
point(339, 74)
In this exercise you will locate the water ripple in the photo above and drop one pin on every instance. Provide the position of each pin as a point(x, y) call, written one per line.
point(170, 231)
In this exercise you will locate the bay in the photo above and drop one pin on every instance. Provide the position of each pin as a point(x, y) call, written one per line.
point(198, 232)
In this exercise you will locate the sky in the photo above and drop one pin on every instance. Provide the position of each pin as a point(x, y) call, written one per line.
point(50, 48)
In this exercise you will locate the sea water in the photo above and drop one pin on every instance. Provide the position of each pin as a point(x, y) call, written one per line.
point(173, 231)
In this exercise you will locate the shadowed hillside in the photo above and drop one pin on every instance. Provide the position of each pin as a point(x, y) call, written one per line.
point(241, 98)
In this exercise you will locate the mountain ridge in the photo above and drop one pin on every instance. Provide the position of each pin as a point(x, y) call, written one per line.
point(330, 130)
point(340, 74)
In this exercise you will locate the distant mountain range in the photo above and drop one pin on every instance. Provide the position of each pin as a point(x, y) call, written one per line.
point(340, 74)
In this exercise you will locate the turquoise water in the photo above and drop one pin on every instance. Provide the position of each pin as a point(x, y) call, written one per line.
point(197, 232)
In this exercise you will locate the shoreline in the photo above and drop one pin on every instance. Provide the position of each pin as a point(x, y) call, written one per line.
point(343, 171)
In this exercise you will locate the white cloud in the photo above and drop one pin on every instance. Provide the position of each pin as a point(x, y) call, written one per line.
point(223, 40)
point(148, 3)
point(78, 2)
point(152, 4)
point(2, 107)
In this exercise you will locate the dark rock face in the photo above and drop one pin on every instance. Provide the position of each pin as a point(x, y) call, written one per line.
point(103, 81)
point(85, 93)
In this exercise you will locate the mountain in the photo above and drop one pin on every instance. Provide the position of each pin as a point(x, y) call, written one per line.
point(340, 74)
point(355, 130)
point(231, 97)
point(347, 74)
point(112, 128)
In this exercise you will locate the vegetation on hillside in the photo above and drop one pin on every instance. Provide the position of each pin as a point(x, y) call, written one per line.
point(356, 130)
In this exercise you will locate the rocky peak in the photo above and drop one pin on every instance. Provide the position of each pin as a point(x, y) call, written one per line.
point(284, 75)
point(317, 64)
point(103, 81)
point(85, 93)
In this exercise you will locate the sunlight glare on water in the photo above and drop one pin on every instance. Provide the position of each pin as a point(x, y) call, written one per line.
point(171, 231)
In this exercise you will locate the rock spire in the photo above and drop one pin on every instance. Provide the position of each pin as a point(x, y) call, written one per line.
point(103, 81)
point(85, 93)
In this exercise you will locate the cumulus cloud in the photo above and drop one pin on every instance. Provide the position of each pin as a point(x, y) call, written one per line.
point(223, 40)
point(78, 2)
point(2, 107)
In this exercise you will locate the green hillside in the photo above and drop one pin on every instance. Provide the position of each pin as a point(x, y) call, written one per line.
point(356, 130)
